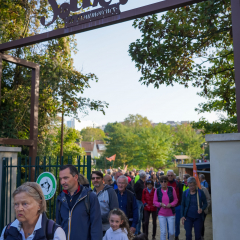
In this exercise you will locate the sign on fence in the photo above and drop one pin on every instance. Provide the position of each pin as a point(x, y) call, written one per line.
point(48, 183)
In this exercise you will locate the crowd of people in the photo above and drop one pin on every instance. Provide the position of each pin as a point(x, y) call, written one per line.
point(117, 207)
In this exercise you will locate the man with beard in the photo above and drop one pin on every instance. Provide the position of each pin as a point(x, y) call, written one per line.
point(106, 196)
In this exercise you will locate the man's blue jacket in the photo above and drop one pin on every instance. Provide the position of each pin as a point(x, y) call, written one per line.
point(78, 223)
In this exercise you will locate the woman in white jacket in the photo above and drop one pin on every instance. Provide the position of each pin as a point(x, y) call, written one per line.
point(119, 227)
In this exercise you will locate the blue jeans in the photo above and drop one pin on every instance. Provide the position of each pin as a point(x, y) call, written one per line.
point(140, 215)
point(171, 229)
point(177, 221)
point(197, 223)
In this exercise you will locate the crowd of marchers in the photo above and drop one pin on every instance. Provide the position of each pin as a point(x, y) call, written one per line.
point(117, 208)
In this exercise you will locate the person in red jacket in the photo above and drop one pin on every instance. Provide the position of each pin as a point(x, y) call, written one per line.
point(149, 208)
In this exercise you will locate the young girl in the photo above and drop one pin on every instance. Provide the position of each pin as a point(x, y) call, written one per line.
point(119, 228)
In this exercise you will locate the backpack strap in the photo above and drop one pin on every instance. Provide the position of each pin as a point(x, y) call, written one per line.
point(51, 228)
point(87, 202)
point(6, 231)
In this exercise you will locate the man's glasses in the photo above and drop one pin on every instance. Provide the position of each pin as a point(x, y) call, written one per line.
point(98, 178)
point(170, 175)
point(163, 181)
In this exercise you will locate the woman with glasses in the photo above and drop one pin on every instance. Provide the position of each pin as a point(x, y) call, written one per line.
point(165, 198)
point(149, 208)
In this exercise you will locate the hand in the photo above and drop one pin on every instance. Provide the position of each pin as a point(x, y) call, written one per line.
point(132, 229)
point(146, 205)
point(169, 205)
point(183, 220)
point(200, 211)
point(163, 205)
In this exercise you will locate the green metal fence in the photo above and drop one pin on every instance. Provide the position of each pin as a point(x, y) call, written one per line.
point(16, 173)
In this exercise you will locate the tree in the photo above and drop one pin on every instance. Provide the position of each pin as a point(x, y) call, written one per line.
point(60, 83)
point(109, 127)
point(137, 121)
point(51, 142)
point(92, 134)
point(120, 142)
point(142, 146)
point(154, 146)
point(187, 141)
point(192, 45)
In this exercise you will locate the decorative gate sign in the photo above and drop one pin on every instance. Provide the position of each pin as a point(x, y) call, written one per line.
point(48, 183)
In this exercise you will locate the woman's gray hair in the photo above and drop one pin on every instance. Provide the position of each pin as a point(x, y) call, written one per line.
point(170, 171)
point(191, 180)
point(142, 174)
point(124, 177)
point(35, 191)
point(82, 180)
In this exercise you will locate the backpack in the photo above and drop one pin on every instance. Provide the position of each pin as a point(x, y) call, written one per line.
point(49, 229)
point(86, 202)
point(209, 189)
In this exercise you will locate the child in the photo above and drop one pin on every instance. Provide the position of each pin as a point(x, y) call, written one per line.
point(119, 228)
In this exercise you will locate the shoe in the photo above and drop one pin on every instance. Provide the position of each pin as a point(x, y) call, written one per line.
point(154, 238)
point(176, 238)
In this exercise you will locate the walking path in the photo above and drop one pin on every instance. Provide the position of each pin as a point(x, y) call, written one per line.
point(208, 230)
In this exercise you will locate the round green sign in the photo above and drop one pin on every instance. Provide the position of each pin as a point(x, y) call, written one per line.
point(48, 183)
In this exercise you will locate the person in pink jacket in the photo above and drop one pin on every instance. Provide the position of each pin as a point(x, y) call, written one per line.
point(165, 198)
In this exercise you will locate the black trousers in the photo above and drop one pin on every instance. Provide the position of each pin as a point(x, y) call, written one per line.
point(203, 228)
point(146, 221)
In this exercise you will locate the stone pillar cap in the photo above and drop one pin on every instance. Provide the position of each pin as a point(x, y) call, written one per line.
point(226, 137)
point(10, 149)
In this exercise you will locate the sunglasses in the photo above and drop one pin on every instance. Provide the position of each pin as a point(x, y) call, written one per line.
point(98, 178)
point(163, 181)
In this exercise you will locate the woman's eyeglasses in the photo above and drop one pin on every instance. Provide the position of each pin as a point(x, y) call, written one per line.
point(163, 181)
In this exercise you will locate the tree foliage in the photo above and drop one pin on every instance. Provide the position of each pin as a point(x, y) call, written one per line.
point(137, 121)
point(60, 83)
point(187, 141)
point(51, 141)
point(92, 134)
point(192, 45)
point(151, 146)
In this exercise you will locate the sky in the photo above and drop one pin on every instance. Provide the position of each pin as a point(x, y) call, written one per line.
point(104, 52)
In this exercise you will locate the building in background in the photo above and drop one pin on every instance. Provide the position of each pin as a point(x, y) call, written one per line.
point(203, 168)
point(71, 123)
point(94, 149)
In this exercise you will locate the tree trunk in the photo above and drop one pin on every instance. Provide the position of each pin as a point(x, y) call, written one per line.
point(61, 151)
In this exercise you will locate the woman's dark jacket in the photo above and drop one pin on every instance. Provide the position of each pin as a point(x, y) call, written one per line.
point(186, 202)
point(43, 233)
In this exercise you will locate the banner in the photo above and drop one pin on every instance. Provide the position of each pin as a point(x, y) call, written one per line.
point(112, 158)
point(195, 174)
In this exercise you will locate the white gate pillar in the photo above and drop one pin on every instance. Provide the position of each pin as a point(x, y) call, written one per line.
point(225, 184)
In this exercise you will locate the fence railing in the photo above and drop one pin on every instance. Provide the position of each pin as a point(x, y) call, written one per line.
point(16, 173)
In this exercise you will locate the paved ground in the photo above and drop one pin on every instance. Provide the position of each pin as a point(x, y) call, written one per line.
point(208, 230)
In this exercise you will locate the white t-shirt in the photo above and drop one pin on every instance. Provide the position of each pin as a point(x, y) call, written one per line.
point(116, 235)
point(58, 235)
